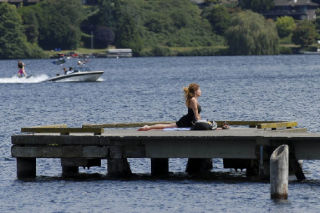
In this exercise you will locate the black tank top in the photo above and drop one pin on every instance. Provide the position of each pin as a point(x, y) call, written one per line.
point(191, 113)
point(186, 120)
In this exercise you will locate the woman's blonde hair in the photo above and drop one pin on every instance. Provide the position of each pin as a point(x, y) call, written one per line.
point(190, 92)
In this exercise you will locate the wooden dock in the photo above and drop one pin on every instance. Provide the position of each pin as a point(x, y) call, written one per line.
point(244, 148)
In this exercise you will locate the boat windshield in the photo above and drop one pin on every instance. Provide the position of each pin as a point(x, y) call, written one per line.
point(81, 69)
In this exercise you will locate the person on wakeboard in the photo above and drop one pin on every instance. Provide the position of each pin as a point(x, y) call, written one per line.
point(21, 72)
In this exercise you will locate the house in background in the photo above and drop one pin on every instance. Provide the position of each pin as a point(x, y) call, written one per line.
point(298, 9)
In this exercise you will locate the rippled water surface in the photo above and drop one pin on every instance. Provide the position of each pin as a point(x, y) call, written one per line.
point(150, 89)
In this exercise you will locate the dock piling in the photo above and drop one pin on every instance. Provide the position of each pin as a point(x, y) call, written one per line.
point(198, 166)
point(295, 165)
point(70, 171)
point(119, 167)
point(279, 171)
point(298, 170)
point(159, 166)
point(26, 168)
point(69, 168)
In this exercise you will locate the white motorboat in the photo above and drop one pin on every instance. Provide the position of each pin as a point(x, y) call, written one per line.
point(78, 75)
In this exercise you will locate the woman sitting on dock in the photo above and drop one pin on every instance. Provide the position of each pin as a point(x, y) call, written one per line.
point(191, 94)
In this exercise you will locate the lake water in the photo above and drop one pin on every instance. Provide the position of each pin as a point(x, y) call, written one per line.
point(150, 89)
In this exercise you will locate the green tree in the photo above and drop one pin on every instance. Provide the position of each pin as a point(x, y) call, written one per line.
point(59, 23)
point(13, 42)
point(256, 5)
point(305, 34)
point(219, 18)
point(317, 22)
point(127, 35)
point(103, 36)
point(285, 26)
point(251, 34)
point(102, 23)
point(107, 13)
point(30, 23)
point(173, 23)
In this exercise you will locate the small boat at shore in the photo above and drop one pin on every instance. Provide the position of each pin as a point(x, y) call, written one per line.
point(82, 74)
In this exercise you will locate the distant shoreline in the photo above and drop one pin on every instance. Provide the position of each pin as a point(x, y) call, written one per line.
point(173, 51)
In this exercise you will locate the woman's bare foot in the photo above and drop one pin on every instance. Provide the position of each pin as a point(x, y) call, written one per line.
point(144, 128)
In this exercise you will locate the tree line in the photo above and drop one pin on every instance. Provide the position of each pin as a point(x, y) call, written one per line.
point(149, 27)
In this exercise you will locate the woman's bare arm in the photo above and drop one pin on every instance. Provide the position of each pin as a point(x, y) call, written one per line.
point(194, 107)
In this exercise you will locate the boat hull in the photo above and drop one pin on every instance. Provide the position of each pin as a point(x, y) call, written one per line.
point(78, 77)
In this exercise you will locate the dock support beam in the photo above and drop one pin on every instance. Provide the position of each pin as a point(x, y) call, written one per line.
point(198, 166)
point(159, 166)
point(279, 172)
point(119, 167)
point(26, 168)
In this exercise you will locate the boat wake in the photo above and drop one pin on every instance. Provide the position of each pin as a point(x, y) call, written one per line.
point(100, 79)
point(31, 80)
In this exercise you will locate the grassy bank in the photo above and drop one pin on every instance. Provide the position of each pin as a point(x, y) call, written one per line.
point(79, 51)
point(155, 51)
point(184, 51)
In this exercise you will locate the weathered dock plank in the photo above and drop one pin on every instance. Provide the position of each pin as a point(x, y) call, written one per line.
point(62, 130)
point(277, 125)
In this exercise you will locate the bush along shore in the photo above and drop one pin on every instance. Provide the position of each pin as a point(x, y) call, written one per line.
point(183, 28)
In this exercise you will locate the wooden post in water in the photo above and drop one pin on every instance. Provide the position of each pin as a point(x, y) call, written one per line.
point(119, 167)
point(199, 166)
point(279, 171)
point(69, 169)
point(26, 168)
point(159, 166)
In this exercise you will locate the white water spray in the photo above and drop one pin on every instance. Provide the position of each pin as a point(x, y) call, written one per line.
point(16, 80)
